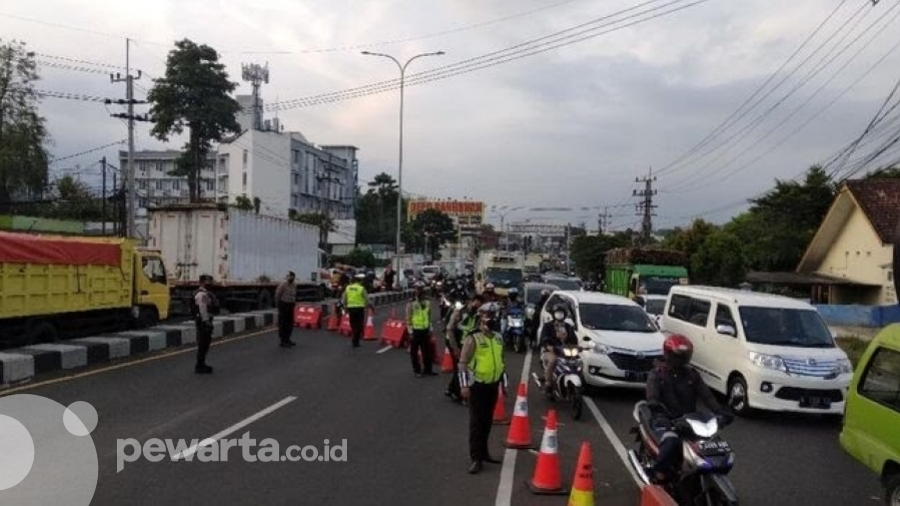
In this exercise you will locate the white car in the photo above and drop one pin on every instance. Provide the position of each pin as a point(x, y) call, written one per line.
point(761, 351)
point(626, 341)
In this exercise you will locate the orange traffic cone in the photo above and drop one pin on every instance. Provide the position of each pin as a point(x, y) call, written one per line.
point(333, 321)
point(547, 479)
point(519, 435)
point(369, 331)
point(500, 408)
point(345, 329)
point(447, 363)
point(583, 484)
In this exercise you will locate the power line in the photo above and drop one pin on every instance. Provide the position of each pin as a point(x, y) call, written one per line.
point(81, 62)
point(86, 152)
point(529, 48)
point(64, 66)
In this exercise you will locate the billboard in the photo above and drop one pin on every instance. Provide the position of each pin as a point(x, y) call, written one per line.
point(465, 209)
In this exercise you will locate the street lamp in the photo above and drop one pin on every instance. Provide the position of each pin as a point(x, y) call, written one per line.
point(502, 219)
point(402, 68)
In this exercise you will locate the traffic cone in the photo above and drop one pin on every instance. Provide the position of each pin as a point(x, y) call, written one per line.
point(519, 435)
point(547, 479)
point(333, 321)
point(369, 331)
point(583, 484)
point(447, 363)
point(500, 408)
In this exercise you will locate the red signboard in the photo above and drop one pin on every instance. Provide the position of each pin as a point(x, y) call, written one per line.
point(450, 207)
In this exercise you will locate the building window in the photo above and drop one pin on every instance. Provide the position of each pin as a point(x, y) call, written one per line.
point(176, 185)
point(159, 166)
point(890, 276)
point(142, 166)
point(296, 179)
point(159, 184)
point(209, 185)
point(245, 180)
point(142, 185)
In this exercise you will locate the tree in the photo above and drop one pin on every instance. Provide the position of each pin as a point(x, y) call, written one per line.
point(376, 212)
point(689, 240)
point(243, 203)
point(884, 173)
point(195, 93)
point(358, 258)
point(719, 260)
point(589, 251)
point(23, 159)
point(430, 230)
point(319, 220)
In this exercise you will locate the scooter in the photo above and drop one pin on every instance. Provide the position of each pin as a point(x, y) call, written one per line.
point(567, 383)
point(515, 330)
point(706, 463)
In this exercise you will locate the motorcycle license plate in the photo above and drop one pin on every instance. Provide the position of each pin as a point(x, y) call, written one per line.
point(815, 402)
point(715, 446)
point(635, 376)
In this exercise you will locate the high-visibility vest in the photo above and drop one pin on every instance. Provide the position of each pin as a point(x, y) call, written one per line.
point(421, 315)
point(487, 364)
point(356, 296)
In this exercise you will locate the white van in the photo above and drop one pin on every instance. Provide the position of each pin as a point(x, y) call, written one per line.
point(761, 351)
point(626, 341)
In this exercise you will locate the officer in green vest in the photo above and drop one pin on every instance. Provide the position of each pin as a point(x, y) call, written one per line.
point(355, 299)
point(481, 373)
point(463, 321)
point(418, 317)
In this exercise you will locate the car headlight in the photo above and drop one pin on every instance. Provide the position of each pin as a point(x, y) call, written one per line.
point(844, 366)
point(768, 361)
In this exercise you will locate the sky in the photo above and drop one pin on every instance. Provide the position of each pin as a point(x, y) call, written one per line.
point(558, 134)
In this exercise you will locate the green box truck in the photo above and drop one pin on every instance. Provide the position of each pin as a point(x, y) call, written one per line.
point(638, 271)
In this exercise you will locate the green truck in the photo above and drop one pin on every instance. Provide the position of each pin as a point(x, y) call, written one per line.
point(638, 271)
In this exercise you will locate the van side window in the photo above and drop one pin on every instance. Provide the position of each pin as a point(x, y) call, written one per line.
point(699, 312)
point(881, 382)
point(723, 316)
point(680, 307)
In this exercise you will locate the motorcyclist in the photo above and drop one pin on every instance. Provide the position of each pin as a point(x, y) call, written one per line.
point(535, 320)
point(673, 389)
point(554, 336)
point(511, 303)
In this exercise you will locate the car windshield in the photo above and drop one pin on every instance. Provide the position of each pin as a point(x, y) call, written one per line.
point(785, 327)
point(658, 286)
point(565, 284)
point(655, 306)
point(504, 277)
point(615, 317)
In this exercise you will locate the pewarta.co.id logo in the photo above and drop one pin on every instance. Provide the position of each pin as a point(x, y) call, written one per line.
point(47, 455)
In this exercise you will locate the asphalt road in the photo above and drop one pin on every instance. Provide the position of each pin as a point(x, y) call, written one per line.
point(406, 442)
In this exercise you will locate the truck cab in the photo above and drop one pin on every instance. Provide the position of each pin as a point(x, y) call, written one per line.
point(151, 287)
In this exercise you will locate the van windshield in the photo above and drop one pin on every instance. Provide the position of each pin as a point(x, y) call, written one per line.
point(504, 278)
point(616, 318)
point(785, 327)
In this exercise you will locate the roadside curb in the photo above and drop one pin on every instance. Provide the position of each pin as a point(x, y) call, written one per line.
point(20, 365)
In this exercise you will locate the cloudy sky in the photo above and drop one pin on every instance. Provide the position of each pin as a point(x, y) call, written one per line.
point(587, 105)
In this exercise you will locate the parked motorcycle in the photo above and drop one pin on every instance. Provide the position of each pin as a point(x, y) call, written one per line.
point(567, 383)
point(706, 463)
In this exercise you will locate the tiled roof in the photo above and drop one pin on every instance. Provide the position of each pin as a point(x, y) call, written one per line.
point(880, 200)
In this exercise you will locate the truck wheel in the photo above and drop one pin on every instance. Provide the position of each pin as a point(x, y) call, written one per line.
point(41, 332)
point(148, 317)
point(264, 300)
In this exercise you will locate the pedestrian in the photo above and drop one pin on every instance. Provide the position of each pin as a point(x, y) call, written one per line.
point(481, 374)
point(204, 306)
point(463, 321)
point(356, 300)
point(389, 278)
point(286, 295)
point(418, 317)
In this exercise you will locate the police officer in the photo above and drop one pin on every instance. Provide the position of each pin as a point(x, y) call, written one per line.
point(286, 295)
point(418, 317)
point(356, 299)
point(481, 372)
point(463, 321)
point(205, 306)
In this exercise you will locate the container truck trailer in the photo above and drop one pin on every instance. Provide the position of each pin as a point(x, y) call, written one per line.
point(247, 254)
point(54, 287)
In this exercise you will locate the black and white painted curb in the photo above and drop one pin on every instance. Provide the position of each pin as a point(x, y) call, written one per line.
point(21, 364)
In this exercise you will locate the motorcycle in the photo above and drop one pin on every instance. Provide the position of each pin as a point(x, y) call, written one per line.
point(567, 383)
point(515, 330)
point(706, 463)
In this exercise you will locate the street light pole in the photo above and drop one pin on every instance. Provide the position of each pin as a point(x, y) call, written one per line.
point(402, 68)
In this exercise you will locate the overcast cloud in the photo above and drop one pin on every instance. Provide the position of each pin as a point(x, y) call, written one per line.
point(569, 127)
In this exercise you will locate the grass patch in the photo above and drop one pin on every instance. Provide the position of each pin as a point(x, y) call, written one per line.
point(853, 347)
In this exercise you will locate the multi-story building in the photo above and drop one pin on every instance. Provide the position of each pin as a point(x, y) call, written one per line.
point(155, 185)
point(288, 172)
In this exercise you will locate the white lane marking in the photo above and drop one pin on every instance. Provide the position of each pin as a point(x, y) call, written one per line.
point(243, 423)
point(613, 439)
point(508, 472)
point(385, 349)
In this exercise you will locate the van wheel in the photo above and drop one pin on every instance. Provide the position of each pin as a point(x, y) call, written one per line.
point(737, 396)
point(892, 490)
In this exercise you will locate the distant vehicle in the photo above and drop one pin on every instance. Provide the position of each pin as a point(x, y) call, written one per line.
point(655, 306)
point(871, 432)
point(636, 271)
point(761, 351)
point(626, 341)
point(564, 283)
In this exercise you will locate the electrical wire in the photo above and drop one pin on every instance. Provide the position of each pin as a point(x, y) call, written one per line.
point(87, 152)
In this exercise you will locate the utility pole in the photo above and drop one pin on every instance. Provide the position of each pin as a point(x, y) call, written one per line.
point(130, 209)
point(645, 207)
point(603, 221)
point(103, 193)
